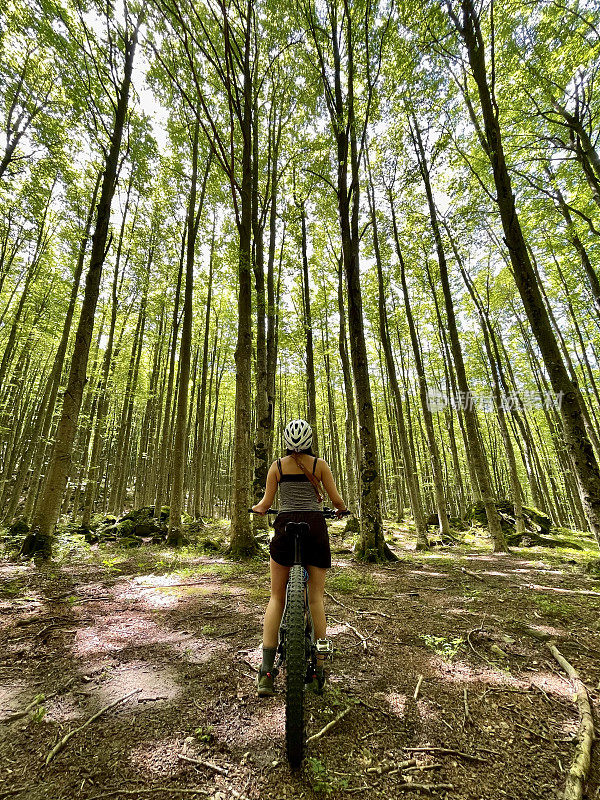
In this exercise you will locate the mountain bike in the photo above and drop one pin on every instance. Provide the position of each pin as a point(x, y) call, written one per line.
point(297, 649)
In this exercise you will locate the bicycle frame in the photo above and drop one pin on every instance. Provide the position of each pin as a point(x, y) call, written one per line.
point(300, 528)
point(297, 647)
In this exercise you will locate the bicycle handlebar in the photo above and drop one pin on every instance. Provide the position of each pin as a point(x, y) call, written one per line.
point(327, 512)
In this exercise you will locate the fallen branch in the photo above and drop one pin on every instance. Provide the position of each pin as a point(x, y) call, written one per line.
point(20, 714)
point(531, 731)
point(580, 766)
point(418, 687)
point(329, 725)
point(63, 742)
point(375, 708)
point(357, 611)
point(446, 751)
point(169, 585)
point(466, 705)
point(472, 574)
point(371, 597)
point(477, 653)
point(339, 603)
point(372, 733)
point(16, 790)
point(40, 698)
point(556, 589)
point(423, 767)
point(168, 789)
point(423, 787)
point(429, 588)
point(411, 762)
point(363, 639)
point(207, 764)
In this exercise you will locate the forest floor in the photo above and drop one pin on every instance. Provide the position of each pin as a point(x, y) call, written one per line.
point(181, 631)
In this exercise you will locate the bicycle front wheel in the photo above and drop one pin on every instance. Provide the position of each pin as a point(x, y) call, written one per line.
point(296, 668)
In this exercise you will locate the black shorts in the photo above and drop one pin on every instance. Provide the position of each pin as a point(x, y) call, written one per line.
point(315, 544)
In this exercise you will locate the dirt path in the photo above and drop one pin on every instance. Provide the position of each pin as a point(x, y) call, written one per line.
point(97, 625)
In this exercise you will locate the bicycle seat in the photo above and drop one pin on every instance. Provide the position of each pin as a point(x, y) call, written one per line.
point(299, 528)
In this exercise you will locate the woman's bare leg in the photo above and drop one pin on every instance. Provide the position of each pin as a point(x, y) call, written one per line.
point(316, 590)
point(274, 612)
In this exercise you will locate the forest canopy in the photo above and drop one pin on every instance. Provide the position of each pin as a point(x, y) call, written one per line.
point(381, 217)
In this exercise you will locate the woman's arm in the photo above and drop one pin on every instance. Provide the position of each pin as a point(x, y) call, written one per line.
point(269, 496)
point(331, 488)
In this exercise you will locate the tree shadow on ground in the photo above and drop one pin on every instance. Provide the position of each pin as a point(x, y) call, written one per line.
point(114, 622)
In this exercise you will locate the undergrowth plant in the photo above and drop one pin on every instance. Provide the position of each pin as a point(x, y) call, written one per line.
point(321, 780)
point(443, 646)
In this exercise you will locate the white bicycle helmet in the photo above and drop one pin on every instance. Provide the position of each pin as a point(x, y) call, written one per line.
point(298, 435)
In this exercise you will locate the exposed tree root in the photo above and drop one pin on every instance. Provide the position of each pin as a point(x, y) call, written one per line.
point(447, 751)
point(329, 725)
point(583, 752)
point(36, 545)
point(63, 742)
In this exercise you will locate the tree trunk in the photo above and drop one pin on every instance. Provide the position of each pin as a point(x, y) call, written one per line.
point(46, 517)
point(201, 426)
point(175, 536)
point(311, 391)
point(350, 430)
point(478, 456)
point(242, 542)
point(578, 443)
point(438, 481)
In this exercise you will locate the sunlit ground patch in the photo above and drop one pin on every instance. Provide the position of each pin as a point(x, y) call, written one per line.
point(426, 573)
point(429, 711)
point(262, 721)
point(158, 757)
point(11, 571)
point(12, 699)
point(157, 685)
point(28, 602)
point(117, 632)
point(335, 630)
point(483, 556)
point(550, 683)
point(493, 674)
point(62, 709)
point(396, 701)
point(536, 568)
point(164, 591)
point(201, 650)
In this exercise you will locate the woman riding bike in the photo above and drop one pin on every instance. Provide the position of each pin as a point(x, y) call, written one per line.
point(299, 501)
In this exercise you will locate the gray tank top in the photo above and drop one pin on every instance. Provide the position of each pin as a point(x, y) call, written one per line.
point(296, 492)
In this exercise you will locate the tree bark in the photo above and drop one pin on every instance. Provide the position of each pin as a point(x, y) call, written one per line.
point(480, 466)
point(578, 443)
point(438, 481)
point(242, 542)
point(175, 536)
point(46, 517)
